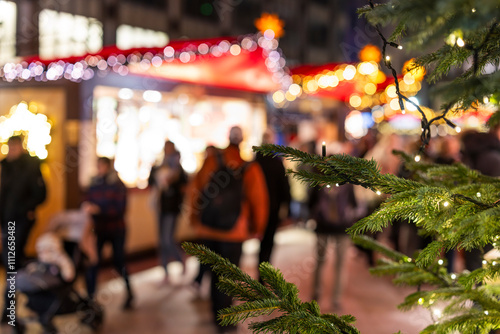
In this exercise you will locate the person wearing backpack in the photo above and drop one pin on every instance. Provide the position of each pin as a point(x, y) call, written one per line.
point(229, 204)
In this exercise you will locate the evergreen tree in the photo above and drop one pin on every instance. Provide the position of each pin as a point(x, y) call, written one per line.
point(457, 206)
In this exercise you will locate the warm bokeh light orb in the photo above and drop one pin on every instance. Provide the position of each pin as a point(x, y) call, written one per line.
point(370, 53)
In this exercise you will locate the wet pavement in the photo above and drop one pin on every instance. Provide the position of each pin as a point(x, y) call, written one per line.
point(177, 308)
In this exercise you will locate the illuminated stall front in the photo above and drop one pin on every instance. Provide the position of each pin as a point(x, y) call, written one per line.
point(132, 126)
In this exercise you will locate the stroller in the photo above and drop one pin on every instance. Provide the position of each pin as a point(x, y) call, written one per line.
point(49, 282)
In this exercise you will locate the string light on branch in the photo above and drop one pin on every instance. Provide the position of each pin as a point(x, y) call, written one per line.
point(460, 42)
point(440, 262)
point(396, 45)
point(446, 204)
point(437, 313)
point(417, 158)
point(453, 276)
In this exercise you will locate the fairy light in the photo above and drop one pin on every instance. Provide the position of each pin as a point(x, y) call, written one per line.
point(485, 262)
point(478, 194)
point(460, 42)
point(453, 276)
point(378, 192)
point(417, 158)
point(337, 185)
point(440, 262)
point(328, 186)
point(458, 129)
point(421, 301)
point(446, 203)
point(486, 312)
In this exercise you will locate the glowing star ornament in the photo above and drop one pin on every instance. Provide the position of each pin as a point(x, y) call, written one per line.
point(370, 53)
point(270, 22)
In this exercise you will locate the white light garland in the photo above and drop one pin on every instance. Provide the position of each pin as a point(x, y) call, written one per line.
point(85, 69)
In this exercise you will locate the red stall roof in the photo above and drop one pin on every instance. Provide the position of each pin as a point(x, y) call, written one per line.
point(249, 63)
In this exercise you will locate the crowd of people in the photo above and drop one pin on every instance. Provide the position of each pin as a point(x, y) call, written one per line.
point(227, 202)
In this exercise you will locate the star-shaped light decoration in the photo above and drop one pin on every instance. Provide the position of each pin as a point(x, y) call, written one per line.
point(270, 22)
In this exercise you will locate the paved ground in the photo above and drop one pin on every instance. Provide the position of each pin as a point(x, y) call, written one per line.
point(178, 309)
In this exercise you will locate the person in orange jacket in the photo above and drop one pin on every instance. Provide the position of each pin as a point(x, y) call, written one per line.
point(251, 221)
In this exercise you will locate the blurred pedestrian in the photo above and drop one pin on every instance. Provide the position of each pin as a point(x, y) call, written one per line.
point(334, 209)
point(278, 189)
point(480, 151)
point(245, 218)
point(168, 181)
point(22, 189)
point(106, 200)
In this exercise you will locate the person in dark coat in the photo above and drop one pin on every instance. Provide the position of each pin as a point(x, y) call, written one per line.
point(106, 200)
point(480, 151)
point(168, 182)
point(22, 190)
point(334, 208)
point(278, 189)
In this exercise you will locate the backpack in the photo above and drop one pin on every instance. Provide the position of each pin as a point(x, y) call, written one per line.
point(222, 196)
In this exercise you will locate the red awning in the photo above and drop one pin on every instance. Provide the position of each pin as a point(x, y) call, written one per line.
point(230, 62)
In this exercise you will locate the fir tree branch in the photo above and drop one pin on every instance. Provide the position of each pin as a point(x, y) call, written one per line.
point(275, 295)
